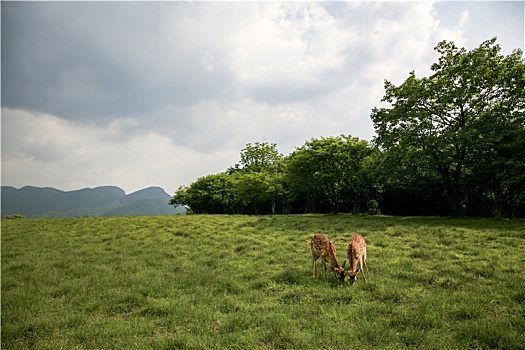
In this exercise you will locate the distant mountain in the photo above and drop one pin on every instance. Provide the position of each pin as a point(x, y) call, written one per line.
point(33, 202)
point(149, 193)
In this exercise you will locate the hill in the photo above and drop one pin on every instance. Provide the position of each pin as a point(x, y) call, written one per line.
point(41, 202)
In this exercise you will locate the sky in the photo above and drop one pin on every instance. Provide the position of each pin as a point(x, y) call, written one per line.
point(140, 94)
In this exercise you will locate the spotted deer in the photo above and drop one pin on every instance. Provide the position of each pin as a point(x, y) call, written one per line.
point(356, 253)
point(323, 248)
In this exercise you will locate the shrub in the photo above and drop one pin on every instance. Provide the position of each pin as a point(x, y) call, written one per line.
point(15, 216)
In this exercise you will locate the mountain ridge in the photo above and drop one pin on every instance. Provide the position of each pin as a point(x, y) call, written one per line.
point(42, 202)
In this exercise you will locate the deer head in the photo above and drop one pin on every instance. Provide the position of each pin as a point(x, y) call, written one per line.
point(354, 275)
point(340, 272)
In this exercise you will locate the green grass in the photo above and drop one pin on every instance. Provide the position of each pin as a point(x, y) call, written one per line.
point(244, 282)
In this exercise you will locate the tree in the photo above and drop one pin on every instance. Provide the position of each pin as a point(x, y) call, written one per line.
point(258, 192)
point(260, 157)
point(211, 194)
point(328, 170)
point(496, 182)
point(254, 188)
point(258, 178)
point(443, 121)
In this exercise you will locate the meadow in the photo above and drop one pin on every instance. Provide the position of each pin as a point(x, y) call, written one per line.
point(245, 282)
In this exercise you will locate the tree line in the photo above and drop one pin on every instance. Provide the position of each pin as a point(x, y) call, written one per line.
point(451, 144)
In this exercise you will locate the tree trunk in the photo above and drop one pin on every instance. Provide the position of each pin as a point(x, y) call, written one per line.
point(452, 188)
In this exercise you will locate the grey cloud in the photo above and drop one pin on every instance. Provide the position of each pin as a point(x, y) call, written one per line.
point(92, 62)
point(96, 61)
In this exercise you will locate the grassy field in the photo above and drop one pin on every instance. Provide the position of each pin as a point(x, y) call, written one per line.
point(245, 282)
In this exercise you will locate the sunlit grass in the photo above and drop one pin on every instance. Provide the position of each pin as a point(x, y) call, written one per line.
point(238, 282)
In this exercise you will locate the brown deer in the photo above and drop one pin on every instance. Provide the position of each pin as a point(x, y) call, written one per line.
point(356, 253)
point(323, 248)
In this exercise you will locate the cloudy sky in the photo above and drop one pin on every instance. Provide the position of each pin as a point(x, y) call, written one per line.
point(139, 94)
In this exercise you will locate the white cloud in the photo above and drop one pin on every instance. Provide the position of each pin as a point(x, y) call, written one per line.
point(455, 32)
point(287, 50)
point(43, 150)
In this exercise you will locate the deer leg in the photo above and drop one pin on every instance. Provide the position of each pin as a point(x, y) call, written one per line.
point(314, 268)
point(362, 270)
point(364, 260)
point(324, 268)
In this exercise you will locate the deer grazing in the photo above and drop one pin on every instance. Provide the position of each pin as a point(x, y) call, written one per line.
point(323, 248)
point(356, 253)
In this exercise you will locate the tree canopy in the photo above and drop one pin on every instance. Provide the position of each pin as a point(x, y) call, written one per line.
point(459, 123)
point(329, 170)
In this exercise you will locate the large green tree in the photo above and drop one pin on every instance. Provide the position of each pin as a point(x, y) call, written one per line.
point(254, 187)
point(211, 194)
point(444, 121)
point(328, 170)
point(262, 156)
point(258, 192)
point(259, 178)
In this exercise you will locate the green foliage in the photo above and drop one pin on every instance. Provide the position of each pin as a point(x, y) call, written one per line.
point(244, 282)
point(322, 175)
point(211, 194)
point(329, 170)
point(256, 188)
point(258, 192)
point(15, 217)
point(260, 157)
point(373, 207)
point(463, 124)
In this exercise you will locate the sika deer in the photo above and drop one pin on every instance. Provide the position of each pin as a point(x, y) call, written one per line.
point(323, 248)
point(356, 253)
